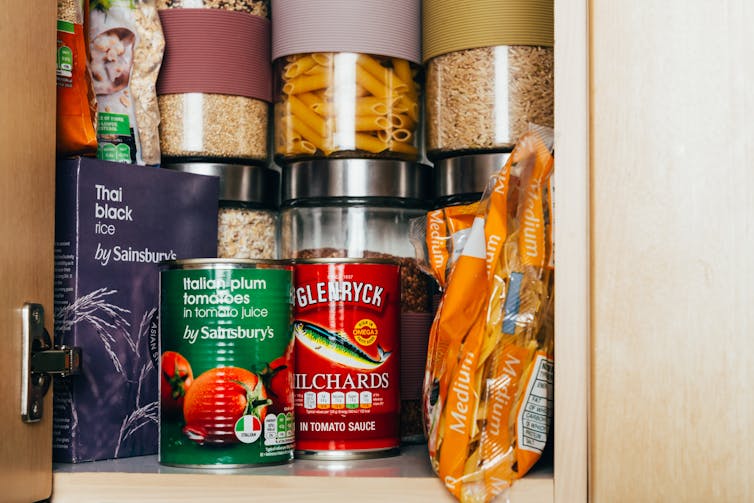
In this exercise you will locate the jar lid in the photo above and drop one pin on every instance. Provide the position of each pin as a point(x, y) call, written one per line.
point(466, 174)
point(450, 26)
point(356, 178)
point(390, 28)
point(244, 183)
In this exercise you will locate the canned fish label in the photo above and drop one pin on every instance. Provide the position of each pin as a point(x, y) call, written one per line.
point(226, 366)
point(346, 327)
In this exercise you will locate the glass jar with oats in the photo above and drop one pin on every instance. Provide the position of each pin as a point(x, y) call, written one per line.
point(347, 80)
point(215, 86)
point(489, 74)
point(247, 223)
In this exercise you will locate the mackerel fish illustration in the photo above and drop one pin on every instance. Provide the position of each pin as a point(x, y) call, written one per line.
point(335, 347)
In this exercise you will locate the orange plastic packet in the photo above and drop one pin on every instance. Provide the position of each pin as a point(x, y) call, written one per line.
point(488, 381)
point(76, 102)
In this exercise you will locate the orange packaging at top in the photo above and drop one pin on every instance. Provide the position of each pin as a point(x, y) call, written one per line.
point(76, 103)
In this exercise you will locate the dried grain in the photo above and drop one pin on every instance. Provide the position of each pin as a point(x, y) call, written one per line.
point(147, 60)
point(467, 109)
point(229, 127)
point(246, 233)
point(69, 10)
point(257, 8)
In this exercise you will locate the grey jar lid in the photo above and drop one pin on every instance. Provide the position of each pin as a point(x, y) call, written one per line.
point(466, 174)
point(356, 178)
point(243, 183)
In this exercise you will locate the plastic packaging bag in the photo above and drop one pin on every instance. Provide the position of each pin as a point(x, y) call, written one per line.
point(126, 47)
point(446, 232)
point(76, 105)
point(488, 381)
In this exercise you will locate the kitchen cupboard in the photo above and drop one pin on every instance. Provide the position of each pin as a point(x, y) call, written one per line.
point(654, 253)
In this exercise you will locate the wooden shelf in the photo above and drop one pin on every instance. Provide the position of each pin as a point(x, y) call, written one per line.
point(407, 477)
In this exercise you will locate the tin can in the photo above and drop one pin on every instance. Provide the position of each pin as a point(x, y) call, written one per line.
point(346, 383)
point(226, 363)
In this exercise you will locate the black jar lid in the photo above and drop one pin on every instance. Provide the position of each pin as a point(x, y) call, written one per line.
point(356, 179)
point(466, 174)
point(240, 183)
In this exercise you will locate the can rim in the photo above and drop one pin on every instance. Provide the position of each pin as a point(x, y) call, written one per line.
point(345, 260)
point(220, 263)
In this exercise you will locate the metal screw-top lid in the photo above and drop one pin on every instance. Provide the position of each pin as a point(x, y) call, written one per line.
point(356, 178)
point(466, 174)
point(243, 183)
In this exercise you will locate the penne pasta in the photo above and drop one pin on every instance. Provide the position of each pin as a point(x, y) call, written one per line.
point(408, 106)
point(401, 135)
point(384, 74)
point(366, 105)
point(323, 58)
point(317, 69)
point(403, 148)
point(299, 109)
point(310, 99)
point(369, 143)
point(371, 83)
point(306, 132)
point(370, 123)
point(380, 105)
point(306, 83)
point(402, 69)
point(296, 68)
point(402, 121)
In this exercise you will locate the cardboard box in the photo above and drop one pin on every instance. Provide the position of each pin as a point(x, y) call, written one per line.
point(113, 224)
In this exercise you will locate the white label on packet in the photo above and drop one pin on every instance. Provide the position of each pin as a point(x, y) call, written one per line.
point(536, 410)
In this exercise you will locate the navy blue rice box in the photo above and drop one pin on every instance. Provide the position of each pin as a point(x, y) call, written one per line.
point(113, 224)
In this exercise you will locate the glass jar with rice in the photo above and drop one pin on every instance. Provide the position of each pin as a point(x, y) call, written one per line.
point(215, 88)
point(247, 221)
point(489, 74)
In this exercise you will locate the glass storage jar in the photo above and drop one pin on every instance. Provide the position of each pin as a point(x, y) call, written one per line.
point(460, 183)
point(347, 79)
point(247, 224)
point(483, 99)
point(489, 73)
point(346, 105)
point(361, 208)
point(215, 86)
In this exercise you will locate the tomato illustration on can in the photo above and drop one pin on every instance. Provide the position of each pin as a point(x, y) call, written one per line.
point(346, 330)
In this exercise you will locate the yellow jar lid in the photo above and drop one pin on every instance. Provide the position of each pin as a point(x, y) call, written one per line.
point(451, 26)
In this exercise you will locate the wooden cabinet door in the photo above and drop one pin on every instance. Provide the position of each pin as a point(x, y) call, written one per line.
point(672, 161)
point(27, 183)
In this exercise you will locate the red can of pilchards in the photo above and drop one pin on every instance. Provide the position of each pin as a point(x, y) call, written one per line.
point(347, 332)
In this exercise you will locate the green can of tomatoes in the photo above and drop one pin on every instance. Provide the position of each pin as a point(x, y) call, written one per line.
point(225, 359)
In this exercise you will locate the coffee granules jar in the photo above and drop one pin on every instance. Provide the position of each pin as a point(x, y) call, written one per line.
point(361, 208)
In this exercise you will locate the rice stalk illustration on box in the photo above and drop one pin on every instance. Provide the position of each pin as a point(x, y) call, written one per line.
point(117, 394)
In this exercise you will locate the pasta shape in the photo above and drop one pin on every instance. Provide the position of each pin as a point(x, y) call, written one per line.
point(377, 109)
point(493, 327)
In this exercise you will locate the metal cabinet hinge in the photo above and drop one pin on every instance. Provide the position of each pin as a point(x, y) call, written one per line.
point(40, 362)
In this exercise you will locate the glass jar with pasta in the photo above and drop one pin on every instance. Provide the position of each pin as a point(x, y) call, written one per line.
point(341, 105)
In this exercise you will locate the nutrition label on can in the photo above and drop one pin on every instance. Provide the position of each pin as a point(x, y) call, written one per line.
point(536, 409)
